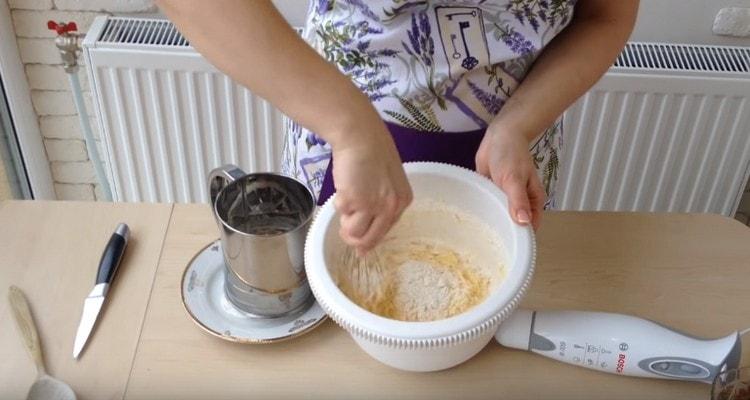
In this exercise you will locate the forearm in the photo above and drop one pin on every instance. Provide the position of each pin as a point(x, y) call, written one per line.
point(252, 43)
point(568, 67)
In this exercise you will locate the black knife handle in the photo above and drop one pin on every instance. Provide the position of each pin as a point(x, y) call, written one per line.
point(112, 255)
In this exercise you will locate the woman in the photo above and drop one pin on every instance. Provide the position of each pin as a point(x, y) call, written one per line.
point(474, 83)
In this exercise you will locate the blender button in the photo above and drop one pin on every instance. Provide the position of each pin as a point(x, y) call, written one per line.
point(690, 369)
point(660, 366)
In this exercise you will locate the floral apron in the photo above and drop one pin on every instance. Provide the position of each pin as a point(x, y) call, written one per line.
point(437, 71)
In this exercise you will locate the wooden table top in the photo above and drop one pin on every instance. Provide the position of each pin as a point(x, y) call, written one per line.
point(51, 251)
point(686, 271)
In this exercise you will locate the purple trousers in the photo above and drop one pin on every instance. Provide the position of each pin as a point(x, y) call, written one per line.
point(457, 148)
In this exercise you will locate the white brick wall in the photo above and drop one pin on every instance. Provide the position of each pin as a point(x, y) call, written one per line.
point(30, 4)
point(74, 191)
point(73, 172)
point(64, 127)
point(115, 6)
point(52, 77)
point(57, 102)
point(65, 150)
point(38, 51)
point(71, 167)
point(33, 23)
point(4, 184)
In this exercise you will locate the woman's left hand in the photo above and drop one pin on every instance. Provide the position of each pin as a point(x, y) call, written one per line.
point(504, 157)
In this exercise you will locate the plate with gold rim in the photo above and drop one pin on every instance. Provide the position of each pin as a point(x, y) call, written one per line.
point(205, 301)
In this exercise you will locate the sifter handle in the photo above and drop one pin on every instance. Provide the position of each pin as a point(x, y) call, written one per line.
point(221, 177)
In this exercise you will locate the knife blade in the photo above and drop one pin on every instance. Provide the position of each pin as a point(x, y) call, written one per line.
point(106, 272)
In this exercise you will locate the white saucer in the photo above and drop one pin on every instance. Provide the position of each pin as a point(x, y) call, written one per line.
point(204, 299)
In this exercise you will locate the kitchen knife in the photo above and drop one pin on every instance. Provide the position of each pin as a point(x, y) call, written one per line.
point(108, 266)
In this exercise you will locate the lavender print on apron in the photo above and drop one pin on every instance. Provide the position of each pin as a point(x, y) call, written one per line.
point(434, 70)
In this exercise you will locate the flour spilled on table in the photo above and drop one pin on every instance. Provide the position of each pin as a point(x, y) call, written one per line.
point(437, 262)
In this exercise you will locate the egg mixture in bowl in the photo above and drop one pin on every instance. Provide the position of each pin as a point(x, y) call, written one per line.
point(437, 261)
point(448, 273)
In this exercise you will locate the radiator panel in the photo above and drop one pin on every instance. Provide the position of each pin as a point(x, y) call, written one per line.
point(165, 129)
point(640, 142)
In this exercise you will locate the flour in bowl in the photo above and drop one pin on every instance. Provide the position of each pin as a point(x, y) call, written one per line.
point(437, 262)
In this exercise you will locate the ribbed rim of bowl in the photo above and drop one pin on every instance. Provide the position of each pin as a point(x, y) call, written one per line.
point(414, 343)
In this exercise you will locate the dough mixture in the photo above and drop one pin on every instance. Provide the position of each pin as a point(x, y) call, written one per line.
point(435, 263)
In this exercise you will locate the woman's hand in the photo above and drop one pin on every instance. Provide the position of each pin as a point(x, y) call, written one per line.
point(251, 42)
point(504, 157)
point(371, 187)
point(566, 69)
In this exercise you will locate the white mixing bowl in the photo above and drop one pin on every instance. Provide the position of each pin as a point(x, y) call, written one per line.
point(440, 344)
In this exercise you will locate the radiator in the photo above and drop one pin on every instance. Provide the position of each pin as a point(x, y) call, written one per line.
point(666, 129)
point(167, 116)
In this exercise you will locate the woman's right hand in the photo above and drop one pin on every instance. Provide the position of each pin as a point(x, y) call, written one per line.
point(371, 187)
point(251, 42)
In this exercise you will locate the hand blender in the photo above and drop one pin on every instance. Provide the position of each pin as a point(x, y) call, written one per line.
point(619, 344)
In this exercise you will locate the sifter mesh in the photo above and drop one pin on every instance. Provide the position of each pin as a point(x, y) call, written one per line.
point(264, 204)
